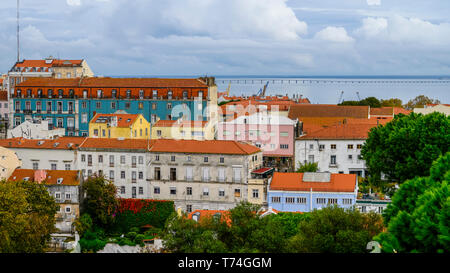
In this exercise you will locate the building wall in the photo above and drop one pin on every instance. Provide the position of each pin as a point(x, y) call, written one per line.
point(311, 200)
point(9, 161)
point(377, 206)
point(438, 108)
point(306, 148)
point(261, 188)
point(64, 219)
point(46, 157)
point(176, 132)
point(31, 130)
point(140, 129)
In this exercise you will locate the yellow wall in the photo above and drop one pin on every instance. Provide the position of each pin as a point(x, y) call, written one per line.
point(84, 70)
point(260, 186)
point(137, 130)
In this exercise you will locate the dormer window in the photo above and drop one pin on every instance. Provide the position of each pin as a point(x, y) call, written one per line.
point(28, 92)
point(155, 94)
point(19, 93)
point(99, 93)
point(128, 94)
point(60, 93)
point(200, 94)
point(169, 95)
point(59, 181)
point(85, 94)
point(185, 95)
point(39, 93)
point(114, 93)
point(71, 93)
point(141, 94)
point(50, 91)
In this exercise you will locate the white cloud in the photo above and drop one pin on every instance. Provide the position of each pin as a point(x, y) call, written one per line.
point(372, 26)
point(73, 2)
point(334, 34)
point(373, 2)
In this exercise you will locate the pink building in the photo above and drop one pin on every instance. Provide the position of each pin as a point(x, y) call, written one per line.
point(274, 134)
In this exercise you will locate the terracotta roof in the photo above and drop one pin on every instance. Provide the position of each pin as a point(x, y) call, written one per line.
point(203, 147)
point(382, 111)
point(123, 120)
point(327, 110)
point(59, 143)
point(341, 131)
point(3, 95)
point(438, 104)
point(116, 143)
point(176, 123)
point(312, 124)
point(205, 214)
point(399, 110)
point(70, 178)
point(102, 82)
point(54, 63)
point(294, 182)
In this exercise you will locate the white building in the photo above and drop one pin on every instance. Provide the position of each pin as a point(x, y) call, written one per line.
point(54, 154)
point(428, 109)
point(36, 130)
point(336, 149)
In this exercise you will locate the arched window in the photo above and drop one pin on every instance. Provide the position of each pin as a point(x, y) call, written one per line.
point(141, 94)
point(60, 93)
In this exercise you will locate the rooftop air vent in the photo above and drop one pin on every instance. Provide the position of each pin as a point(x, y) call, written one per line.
point(59, 180)
point(316, 177)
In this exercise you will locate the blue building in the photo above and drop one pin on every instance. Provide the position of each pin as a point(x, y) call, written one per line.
point(305, 192)
point(72, 103)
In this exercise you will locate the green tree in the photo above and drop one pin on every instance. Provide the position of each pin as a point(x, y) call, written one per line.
point(371, 101)
point(420, 102)
point(100, 201)
point(308, 167)
point(394, 102)
point(406, 147)
point(335, 230)
point(418, 217)
point(27, 217)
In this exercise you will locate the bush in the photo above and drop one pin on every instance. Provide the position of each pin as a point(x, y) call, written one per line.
point(131, 235)
point(139, 239)
point(91, 242)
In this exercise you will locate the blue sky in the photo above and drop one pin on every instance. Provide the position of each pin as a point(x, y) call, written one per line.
point(234, 37)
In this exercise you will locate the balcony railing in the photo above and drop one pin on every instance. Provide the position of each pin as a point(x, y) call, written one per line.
point(27, 111)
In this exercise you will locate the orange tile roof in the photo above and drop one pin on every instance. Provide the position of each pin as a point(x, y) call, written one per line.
point(184, 123)
point(294, 182)
point(59, 143)
point(312, 124)
point(327, 110)
point(105, 82)
point(399, 110)
point(123, 120)
point(70, 178)
point(54, 63)
point(203, 147)
point(341, 131)
point(116, 143)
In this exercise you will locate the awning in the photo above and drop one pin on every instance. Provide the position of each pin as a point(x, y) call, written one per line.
point(262, 170)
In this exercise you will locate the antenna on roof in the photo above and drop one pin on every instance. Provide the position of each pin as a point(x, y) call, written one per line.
point(18, 43)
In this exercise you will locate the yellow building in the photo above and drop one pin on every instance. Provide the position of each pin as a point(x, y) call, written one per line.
point(133, 126)
point(179, 129)
point(8, 162)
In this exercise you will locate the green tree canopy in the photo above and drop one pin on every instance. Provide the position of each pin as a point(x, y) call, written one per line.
point(418, 217)
point(394, 102)
point(370, 101)
point(308, 167)
point(336, 230)
point(406, 147)
point(420, 102)
point(27, 217)
point(100, 200)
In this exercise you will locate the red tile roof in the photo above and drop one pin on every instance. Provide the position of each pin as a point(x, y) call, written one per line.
point(294, 182)
point(399, 110)
point(123, 120)
point(203, 147)
point(70, 178)
point(60, 143)
point(54, 63)
point(105, 82)
point(327, 110)
point(116, 143)
point(176, 123)
point(382, 111)
point(341, 131)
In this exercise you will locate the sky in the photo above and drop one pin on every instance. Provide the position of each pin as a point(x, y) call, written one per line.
point(233, 37)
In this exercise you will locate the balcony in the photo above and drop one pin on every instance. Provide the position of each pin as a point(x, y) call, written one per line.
point(133, 165)
point(237, 180)
point(70, 128)
point(70, 111)
point(38, 111)
point(221, 179)
point(17, 110)
point(111, 164)
point(60, 111)
point(28, 111)
point(133, 180)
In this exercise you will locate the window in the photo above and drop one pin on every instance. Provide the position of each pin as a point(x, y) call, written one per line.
point(141, 105)
point(333, 160)
point(83, 158)
point(128, 94)
point(122, 189)
point(141, 160)
point(222, 160)
point(205, 159)
point(35, 165)
point(98, 104)
point(320, 200)
point(311, 146)
point(111, 175)
point(133, 177)
point(141, 190)
point(133, 161)
point(122, 174)
point(358, 146)
point(127, 105)
point(154, 106)
point(122, 159)
point(173, 174)
point(185, 95)
point(53, 166)
point(111, 161)
point(84, 118)
point(189, 191)
point(156, 190)
point(188, 208)
point(205, 192)
point(157, 173)
point(114, 94)
point(100, 159)
point(169, 95)
point(57, 195)
point(141, 94)
point(89, 159)
point(284, 134)
point(169, 105)
point(89, 173)
point(141, 175)
point(155, 94)
point(158, 133)
point(255, 193)
point(237, 192)
point(284, 146)
point(360, 157)
point(157, 158)
point(290, 200)
point(350, 146)
point(221, 192)
point(301, 200)
point(68, 196)
point(333, 146)
point(332, 201)
point(67, 167)
point(68, 209)
point(311, 158)
point(173, 190)
point(347, 201)
point(172, 158)
point(276, 199)
point(113, 105)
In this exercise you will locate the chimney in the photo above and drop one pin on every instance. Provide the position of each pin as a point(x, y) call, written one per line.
point(39, 176)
